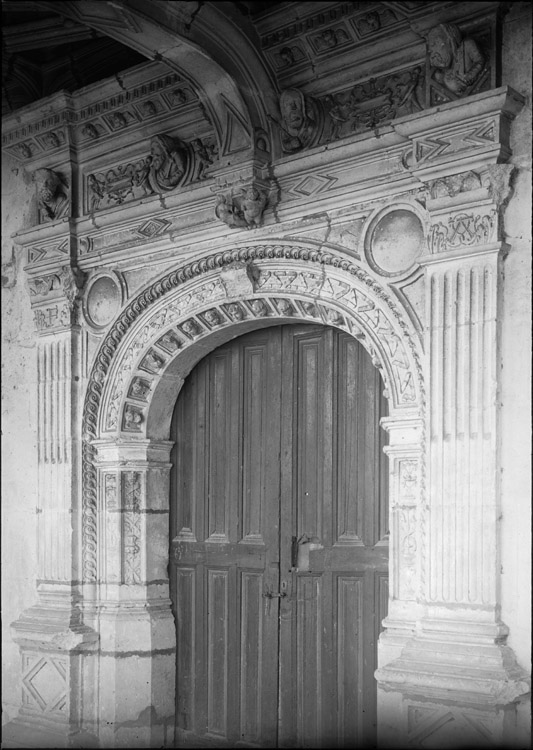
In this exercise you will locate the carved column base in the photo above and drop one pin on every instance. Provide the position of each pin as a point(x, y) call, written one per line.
point(57, 653)
point(454, 685)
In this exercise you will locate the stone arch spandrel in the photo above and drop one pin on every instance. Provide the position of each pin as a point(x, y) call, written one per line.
point(171, 325)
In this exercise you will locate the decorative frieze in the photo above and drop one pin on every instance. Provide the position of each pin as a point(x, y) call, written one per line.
point(365, 23)
point(172, 163)
point(45, 134)
point(131, 527)
point(49, 318)
point(113, 507)
point(463, 229)
point(452, 185)
point(373, 103)
point(406, 528)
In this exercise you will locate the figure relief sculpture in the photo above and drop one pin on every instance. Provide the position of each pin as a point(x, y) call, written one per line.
point(235, 312)
point(298, 121)
point(168, 163)
point(52, 196)
point(331, 38)
point(242, 210)
point(212, 318)
point(458, 62)
point(89, 131)
point(253, 204)
point(288, 56)
point(132, 418)
point(405, 95)
point(228, 212)
point(204, 156)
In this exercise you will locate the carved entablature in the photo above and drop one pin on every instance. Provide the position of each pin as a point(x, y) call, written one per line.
point(338, 30)
point(460, 136)
point(91, 124)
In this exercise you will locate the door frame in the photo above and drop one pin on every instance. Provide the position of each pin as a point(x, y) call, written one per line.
point(133, 386)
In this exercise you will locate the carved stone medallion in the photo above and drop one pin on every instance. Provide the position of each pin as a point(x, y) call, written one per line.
point(394, 242)
point(103, 301)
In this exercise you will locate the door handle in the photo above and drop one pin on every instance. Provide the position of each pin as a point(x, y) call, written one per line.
point(301, 547)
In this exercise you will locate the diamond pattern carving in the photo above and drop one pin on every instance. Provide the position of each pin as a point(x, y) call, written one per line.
point(45, 683)
point(313, 184)
point(152, 227)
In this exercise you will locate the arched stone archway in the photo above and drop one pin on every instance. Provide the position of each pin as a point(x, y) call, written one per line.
point(135, 381)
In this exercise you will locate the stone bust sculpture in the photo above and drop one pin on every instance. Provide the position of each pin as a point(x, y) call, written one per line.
point(52, 197)
point(168, 163)
point(297, 126)
point(458, 62)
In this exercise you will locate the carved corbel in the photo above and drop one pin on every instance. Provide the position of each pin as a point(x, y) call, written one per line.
point(242, 208)
point(73, 282)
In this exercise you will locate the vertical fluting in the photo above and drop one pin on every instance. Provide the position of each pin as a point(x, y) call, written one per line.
point(462, 350)
point(54, 435)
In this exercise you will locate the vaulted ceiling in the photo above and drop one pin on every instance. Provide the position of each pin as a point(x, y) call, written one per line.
point(45, 50)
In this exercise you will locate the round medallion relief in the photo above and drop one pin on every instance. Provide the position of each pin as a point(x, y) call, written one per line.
point(396, 241)
point(104, 299)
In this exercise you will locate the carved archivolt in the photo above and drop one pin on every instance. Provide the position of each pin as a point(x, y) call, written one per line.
point(188, 304)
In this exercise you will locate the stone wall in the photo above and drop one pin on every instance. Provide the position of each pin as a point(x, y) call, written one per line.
point(19, 428)
point(516, 351)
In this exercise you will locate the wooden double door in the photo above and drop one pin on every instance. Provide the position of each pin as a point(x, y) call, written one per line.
point(279, 549)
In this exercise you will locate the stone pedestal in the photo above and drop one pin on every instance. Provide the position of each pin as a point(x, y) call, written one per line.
point(129, 603)
point(455, 682)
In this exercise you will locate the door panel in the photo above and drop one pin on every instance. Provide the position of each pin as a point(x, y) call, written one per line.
point(279, 555)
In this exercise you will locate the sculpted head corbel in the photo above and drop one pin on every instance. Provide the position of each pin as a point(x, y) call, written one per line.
point(242, 209)
point(52, 195)
point(457, 61)
point(299, 121)
point(168, 163)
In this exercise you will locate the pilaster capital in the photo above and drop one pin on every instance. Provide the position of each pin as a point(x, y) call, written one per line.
point(131, 453)
point(405, 434)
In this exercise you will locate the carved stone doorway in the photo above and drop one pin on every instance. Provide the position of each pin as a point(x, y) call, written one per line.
point(279, 541)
